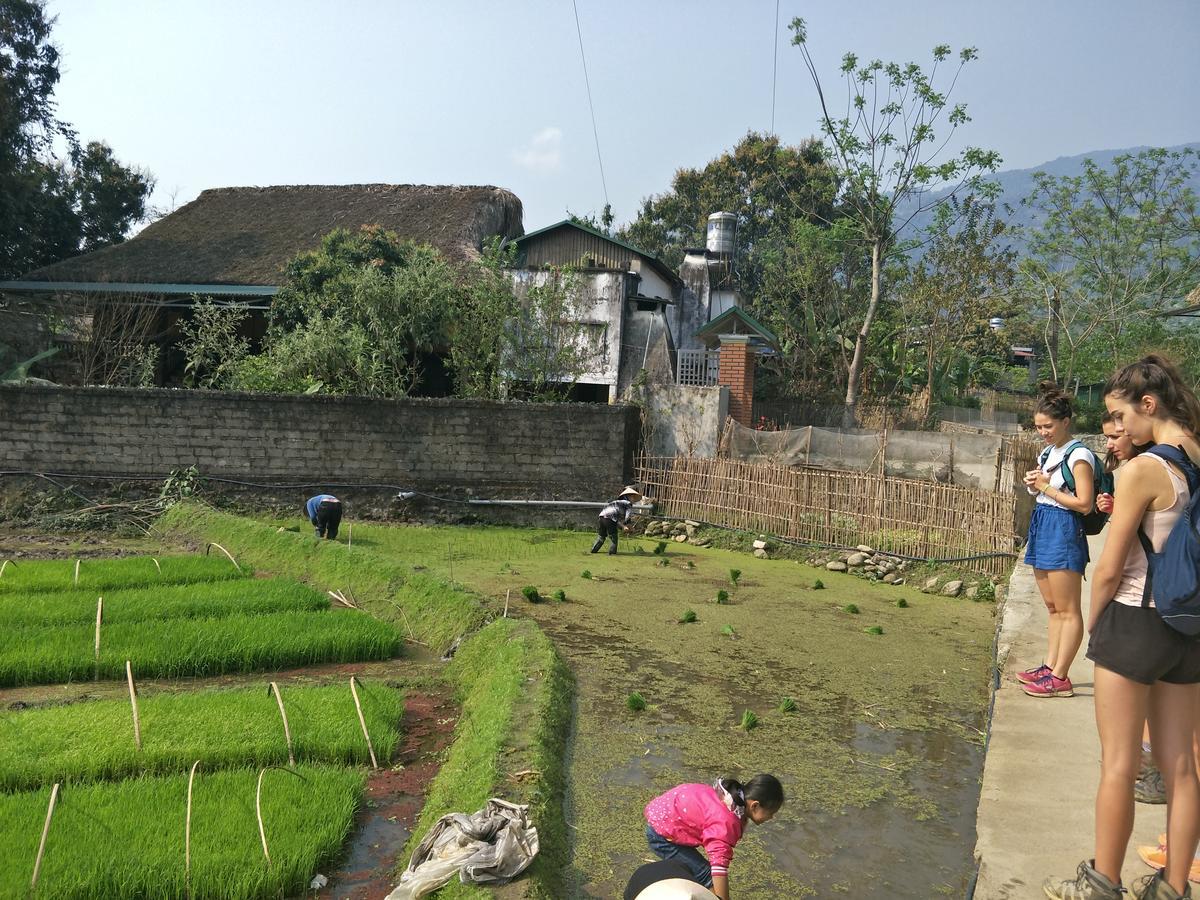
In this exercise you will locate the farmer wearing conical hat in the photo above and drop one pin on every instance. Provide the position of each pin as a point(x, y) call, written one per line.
point(616, 515)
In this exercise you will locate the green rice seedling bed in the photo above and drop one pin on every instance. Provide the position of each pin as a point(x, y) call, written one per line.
point(178, 648)
point(110, 574)
point(127, 839)
point(224, 729)
point(246, 596)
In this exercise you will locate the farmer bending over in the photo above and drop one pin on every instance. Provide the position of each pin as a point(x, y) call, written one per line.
point(325, 513)
point(616, 515)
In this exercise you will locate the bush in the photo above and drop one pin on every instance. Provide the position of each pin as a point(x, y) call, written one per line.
point(531, 594)
point(586, 573)
point(850, 608)
point(636, 702)
point(660, 548)
point(560, 595)
point(689, 616)
point(722, 597)
point(818, 585)
point(902, 603)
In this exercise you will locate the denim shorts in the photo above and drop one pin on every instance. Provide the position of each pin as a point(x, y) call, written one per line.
point(1056, 540)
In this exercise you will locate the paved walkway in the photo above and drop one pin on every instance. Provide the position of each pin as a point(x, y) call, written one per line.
point(1036, 806)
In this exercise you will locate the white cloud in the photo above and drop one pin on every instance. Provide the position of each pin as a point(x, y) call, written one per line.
point(543, 153)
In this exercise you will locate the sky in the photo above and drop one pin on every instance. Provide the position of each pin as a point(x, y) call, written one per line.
point(216, 93)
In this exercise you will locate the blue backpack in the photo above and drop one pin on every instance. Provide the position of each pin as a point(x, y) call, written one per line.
point(1102, 483)
point(1173, 576)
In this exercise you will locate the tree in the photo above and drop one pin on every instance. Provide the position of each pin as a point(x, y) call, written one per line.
point(883, 149)
point(766, 184)
point(950, 294)
point(51, 208)
point(1114, 247)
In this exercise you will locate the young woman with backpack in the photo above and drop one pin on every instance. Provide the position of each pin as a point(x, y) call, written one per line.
point(1057, 546)
point(1143, 666)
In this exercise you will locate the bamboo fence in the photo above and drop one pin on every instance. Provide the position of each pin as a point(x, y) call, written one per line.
point(904, 516)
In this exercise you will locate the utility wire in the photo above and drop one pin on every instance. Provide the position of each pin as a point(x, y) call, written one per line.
point(591, 106)
point(775, 67)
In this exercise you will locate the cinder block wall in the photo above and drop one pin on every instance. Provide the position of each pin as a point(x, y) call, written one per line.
point(458, 447)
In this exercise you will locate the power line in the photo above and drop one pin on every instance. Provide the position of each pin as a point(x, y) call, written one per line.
point(591, 107)
point(775, 67)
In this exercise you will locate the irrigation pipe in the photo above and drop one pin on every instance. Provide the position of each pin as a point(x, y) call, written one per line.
point(363, 722)
point(37, 863)
point(287, 731)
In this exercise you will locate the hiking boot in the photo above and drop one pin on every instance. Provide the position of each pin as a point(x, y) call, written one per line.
point(1088, 884)
point(1147, 764)
point(1156, 858)
point(1150, 787)
point(1155, 887)
point(1050, 686)
point(1029, 676)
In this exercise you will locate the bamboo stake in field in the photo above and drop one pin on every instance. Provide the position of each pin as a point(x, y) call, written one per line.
point(137, 722)
point(287, 731)
point(37, 863)
point(507, 594)
point(262, 831)
point(4, 565)
point(363, 722)
point(212, 544)
point(349, 533)
point(76, 573)
point(156, 565)
point(99, 619)
point(187, 834)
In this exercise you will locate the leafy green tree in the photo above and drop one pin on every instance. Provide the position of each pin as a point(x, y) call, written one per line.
point(768, 185)
point(884, 149)
point(52, 208)
point(213, 342)
point(1114, 247)
point(951, 292)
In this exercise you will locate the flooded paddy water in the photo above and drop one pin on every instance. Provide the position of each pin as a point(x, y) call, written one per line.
point(881, 758)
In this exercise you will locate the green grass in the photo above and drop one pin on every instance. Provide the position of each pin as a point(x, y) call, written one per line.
point(636, 702)
point(689, 616)
point(176, 648)
point(93, 740)
point(749, 720)
point(112, 574)
point(182, 601)
point(388, 587)
point(127, 839)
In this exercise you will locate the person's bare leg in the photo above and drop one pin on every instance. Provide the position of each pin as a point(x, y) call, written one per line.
point(1066, 587)
point(1043, 582)
point(1174, 710)
point(1121, 707)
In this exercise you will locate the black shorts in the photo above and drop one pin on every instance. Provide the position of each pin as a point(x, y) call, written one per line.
point(1136, 643)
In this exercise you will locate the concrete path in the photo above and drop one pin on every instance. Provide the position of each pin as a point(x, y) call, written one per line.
point(1036, 807)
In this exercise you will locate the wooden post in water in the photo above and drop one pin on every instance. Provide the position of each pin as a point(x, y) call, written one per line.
point(37, 863)
point(363, 722)
point(137, 722)
point(287, 731)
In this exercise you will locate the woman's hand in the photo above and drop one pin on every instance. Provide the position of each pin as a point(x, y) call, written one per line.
point(1104, 503)
point(1037, 480)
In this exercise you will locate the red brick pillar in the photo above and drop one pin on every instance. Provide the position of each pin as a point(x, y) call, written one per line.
point(737, 373)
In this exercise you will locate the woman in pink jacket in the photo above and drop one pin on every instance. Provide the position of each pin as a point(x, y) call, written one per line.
point(710, 816)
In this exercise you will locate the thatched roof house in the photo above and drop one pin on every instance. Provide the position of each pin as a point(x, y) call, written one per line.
point(243, 237)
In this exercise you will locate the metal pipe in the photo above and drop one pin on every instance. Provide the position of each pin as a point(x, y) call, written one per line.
point(579, 503)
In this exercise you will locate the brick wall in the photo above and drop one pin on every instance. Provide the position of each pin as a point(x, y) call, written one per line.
point(457, 447)
point(736, 371)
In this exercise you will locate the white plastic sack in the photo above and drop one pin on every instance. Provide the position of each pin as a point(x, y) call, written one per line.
point(491, 846)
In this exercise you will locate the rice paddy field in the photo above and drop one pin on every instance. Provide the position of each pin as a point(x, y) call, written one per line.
point(118, 827)
point(870, 710)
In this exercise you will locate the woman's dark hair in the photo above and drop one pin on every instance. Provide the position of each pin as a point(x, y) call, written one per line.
point(766, 789)
point(1053, 402)
point(1156, 375)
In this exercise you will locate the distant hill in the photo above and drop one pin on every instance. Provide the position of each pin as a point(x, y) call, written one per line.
point(1016, 184)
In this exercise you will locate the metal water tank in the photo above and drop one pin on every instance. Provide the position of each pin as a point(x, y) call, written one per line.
point(722, 227)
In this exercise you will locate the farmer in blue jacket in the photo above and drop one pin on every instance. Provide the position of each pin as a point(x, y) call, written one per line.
point(325, 513)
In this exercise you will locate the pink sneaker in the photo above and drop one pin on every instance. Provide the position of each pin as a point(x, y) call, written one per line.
point(1049, 686)
point(1029, 676)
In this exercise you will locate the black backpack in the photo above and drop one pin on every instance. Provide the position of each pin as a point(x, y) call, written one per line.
point(1102, 483)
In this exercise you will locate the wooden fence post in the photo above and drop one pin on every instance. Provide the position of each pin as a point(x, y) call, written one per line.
point(137, 722)
point(37, 863)
point(363, 722)
point(287, 731)
point(187, 834)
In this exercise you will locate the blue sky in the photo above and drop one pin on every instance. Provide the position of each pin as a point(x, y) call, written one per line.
point(213, 93)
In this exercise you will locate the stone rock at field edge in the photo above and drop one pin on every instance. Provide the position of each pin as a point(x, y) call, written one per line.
point(836, 565)
point(952, 588)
